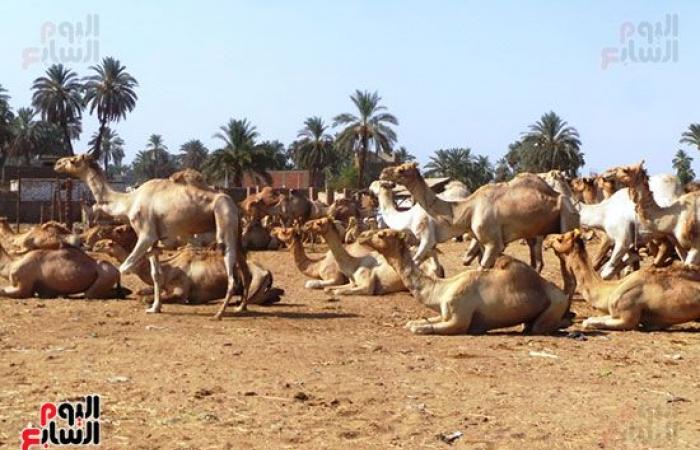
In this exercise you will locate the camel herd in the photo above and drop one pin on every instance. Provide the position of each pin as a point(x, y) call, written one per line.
point(189, 242)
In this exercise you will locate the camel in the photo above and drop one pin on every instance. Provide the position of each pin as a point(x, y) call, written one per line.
point(368, 274)
point(48, 236)
point(52, 273)
point(196, 275)
point(586, 190)
point(475, 301)
point(651, 298)
point(352, 231)
point(162, 208)
point(415, 219)
point(496, 214)
point(124, 235)
point(256, 237)
point(679, 220)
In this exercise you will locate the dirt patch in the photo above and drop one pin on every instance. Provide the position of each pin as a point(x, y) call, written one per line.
point(312, 373)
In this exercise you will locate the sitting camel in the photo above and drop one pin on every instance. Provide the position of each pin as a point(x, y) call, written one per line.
point(653, 298)
point(679, 220)
point(196, 275)
point(496, 214)
point(177, 207)
point(475, 301)
point(415, 219)
point(49, 236)
point(369, 274)
point(52, 273)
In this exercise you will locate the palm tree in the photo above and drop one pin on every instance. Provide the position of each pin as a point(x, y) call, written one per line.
point(460, 164)
point(551, 144)
point(6, 118)
point(193, 154)
point(27, 135)
point(239, 155)
point(313, 148)
point(403, 156)
point(110, 91)
point(692, 135)
point(112, 146)
point(57, 96)
point(503, 171)
point(369, 128)
point(158, 154)
point(682, 163)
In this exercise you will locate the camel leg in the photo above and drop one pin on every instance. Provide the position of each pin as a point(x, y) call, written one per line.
point(323, 284)
point(352, 289)
point(492, 251)
point(618, 252)
point(606, 245)
point(156, 274)
point(693, 257)
point(473, 251)
point(228, 235)
point(107, 277)
point(144, 243)
point(434, 319)
point(536, 260)
point(446, 327)
point(427, 243)
point(20, 290)
point(627, 320)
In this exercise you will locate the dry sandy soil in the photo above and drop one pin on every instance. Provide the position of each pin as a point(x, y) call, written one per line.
point(313, 373)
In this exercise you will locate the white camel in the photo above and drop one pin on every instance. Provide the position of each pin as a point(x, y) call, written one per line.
point(415, 219)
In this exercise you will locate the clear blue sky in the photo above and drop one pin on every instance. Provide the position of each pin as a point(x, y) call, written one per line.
point(455, 73)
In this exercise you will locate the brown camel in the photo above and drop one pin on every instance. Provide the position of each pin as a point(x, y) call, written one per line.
point(124, 235)
point(52, 273)
point(680, 221)
point(475, 301)
point(168, 208)
point(651, 298)
point(48, 236)
point(197, 275)
point(496, 214)
point(585, 189)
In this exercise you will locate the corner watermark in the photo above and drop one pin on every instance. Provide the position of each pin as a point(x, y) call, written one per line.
point(66, 42)
point(644, 43)
point(64, 423)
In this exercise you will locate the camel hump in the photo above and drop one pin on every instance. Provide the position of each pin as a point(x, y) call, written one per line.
point(190, 177)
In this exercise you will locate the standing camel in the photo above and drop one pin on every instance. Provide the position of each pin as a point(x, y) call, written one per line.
point(496, 214)
point(177, 207)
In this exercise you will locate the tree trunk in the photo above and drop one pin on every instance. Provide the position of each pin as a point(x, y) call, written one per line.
point(66, 137)
point(97, 149)
point(361, 160)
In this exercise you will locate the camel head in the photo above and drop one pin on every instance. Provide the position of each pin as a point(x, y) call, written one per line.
point(5, 226)
point(319, 226)
point(633, 175)
point(383, 240)
point(286, 235)
point(402, 174)
point(376, 187)
point(77, 166)
point(567, 243)
point(111, 248)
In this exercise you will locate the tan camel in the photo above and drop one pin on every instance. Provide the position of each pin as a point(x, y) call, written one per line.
point(369, 274)
point(324, 271)
point(52, 273)
point(679, 221)
point(651, 298)
point(124, 235)
point(196, 275)
point(168, 208)
point(475, 301)
point(496, 214)
point(48, 236)
point(352, 231)
point(585, 189)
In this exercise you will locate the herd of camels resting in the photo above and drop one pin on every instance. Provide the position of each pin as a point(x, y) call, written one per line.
point(188, 241)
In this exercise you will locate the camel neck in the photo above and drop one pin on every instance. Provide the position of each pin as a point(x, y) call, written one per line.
point(650, 213)
point(104, 194)
point(5, 262)
point(590, 284)
point(388, 209)
point(425, 196)
point(301, 260)
point(339, 253)
point(420, 285)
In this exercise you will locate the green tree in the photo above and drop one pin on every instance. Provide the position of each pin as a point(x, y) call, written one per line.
point(692, 135)
point(6, 119)
point(28, 135)
point(57, 96)
point(401, 155)
point(112, 146)
point(273, 155)
point(369, 128)
point(313, 149)
point(193, 154)
point(550, 144)
point(238, 157)
point(460, 164)
point(503, 171)
point(682, 163)
point(111, 93)
point(154, 161)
